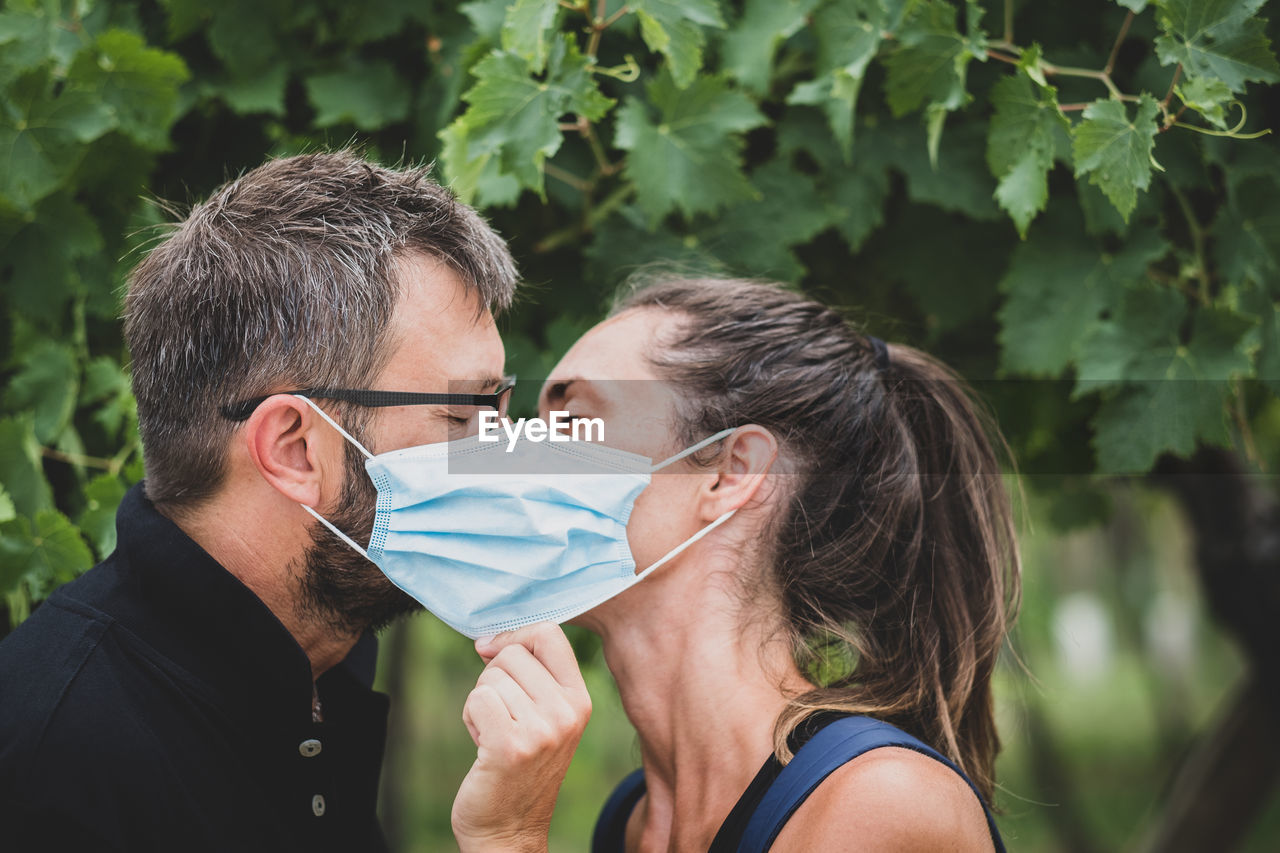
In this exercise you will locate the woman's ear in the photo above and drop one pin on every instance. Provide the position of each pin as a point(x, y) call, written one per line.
point(749, 455)
point(293, 448)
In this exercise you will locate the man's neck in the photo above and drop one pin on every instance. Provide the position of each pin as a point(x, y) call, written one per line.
point(270, 568)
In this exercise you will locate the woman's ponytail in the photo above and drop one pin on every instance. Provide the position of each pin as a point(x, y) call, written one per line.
point(894, 554)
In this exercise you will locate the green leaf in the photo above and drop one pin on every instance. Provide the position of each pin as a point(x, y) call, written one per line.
point(51, 549)
point(1175, 396)
point(749, 47)
point(960, 183)
point(1207, 96)
point(1115, 152)
point(674, 28)
point(44, 259)
point(1217, 38)
point(487, 18)
point(262, 92)
point(21, 473)
point(518, 117)
point(44, 138)
point(476, 180)
point(528, 30)
point(46, 384)
point(102, 497)
point(930, 64)
point(1247, 231)
point(752, 239)
point(853, 193)
point(849, 33)
point(1147, 319)
point(370, 95)
point(137, 84)
point(1057, 285)
point(687, 157)
point(7, 511)
point(1023, 138)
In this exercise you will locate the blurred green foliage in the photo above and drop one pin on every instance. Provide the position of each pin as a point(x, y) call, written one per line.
point(1015, 187)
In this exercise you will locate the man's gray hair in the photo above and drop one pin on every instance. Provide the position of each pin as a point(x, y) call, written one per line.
point(285, 276)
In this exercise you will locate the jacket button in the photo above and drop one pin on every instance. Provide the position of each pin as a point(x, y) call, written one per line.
point(317, 805)
point(309, 748)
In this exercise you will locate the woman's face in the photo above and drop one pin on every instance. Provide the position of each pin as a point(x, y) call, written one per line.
point(607, 375)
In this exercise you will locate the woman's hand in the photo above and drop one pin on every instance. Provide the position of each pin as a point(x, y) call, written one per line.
point(526, 715)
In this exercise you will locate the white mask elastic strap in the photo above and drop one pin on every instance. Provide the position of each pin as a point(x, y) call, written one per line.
point(322, 413)
point(335, 531)
point(676, 551)
point(724, 433)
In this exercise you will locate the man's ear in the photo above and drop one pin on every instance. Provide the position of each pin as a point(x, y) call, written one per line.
point(293, 449)
point(748, 456)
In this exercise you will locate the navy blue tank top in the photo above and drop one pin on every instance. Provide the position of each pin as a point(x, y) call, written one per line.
point(822, 744)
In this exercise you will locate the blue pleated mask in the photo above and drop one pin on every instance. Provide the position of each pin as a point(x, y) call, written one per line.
point(490, 540)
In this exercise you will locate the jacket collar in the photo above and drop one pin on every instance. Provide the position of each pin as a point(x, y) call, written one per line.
point(182, 603)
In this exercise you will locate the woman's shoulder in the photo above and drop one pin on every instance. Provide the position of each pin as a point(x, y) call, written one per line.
point(890, 798)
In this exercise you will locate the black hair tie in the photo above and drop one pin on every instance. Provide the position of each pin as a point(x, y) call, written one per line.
point(881, 350)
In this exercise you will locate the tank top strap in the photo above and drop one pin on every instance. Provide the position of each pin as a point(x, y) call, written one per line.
point(835, 745)
point(610, 834)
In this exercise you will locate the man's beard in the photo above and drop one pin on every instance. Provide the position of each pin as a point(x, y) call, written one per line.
point(338, 586)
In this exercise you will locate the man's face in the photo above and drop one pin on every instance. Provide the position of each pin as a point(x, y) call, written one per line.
point(441, 342)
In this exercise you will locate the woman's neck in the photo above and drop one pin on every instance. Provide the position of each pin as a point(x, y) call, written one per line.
point(703, 685)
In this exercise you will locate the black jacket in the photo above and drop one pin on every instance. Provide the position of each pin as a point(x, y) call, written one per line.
point(157, 704)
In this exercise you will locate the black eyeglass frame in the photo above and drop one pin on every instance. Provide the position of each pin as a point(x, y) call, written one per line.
point(379, 399)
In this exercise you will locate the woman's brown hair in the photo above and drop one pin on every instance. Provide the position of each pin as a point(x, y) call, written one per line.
point(894, 551)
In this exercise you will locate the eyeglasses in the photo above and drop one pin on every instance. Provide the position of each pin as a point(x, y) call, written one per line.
point(497, 400)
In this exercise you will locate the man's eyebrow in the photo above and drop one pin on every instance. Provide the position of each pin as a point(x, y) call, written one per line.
point(475, 386)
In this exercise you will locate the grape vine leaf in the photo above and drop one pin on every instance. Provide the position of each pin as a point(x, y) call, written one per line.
point(849, 32)
point(517, 117)
point(853, 193)
point(20, 470)
point(102, 495)
point(929, 68)
point(1057, 284)
point(688, 157)
point(528, 30)
point(1217, 38)
point(674, 28)
point(51, 547)
point(1207, 96)
point(46, 137)
point(1114, 350)
point(476, 180)
point(1174, 395)
point(1115, 152)
point(754, 240)
point(748, 49)
point(370, 95)
point(1024, 133)
point(46, 384)
point(137, 84)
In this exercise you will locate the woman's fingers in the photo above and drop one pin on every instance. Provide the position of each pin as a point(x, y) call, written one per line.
point(546, 642)
point(526, 715)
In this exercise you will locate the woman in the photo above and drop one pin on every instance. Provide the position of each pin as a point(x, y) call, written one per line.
point(866, 570)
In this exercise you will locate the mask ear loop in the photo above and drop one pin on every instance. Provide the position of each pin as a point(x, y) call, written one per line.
point(722, 434)
point(317, 516)
point(676, 551)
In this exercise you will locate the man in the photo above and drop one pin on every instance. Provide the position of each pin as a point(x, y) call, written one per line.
point(207, 687)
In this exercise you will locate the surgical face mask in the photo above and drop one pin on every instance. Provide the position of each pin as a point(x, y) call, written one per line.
point(490, 540)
